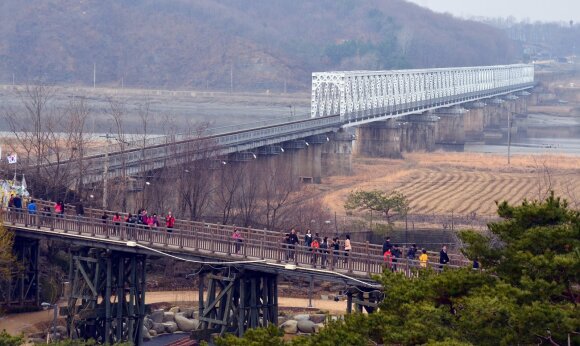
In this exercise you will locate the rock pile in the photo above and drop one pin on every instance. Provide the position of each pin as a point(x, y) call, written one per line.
point(303, 323)
point(174, 320)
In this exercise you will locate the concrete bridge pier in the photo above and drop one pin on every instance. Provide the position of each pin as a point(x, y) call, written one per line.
point(379, 139)
point(473, 122)
point(419, 132)
point(337, 154)
point(450, 134)
point(494, 113)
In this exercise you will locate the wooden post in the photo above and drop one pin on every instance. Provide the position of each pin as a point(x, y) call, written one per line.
point(368, 250)
point(348, 302)
point(242, 307)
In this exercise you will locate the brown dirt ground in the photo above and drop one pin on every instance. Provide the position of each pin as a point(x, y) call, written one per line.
point(443, 182)
point(31, 322)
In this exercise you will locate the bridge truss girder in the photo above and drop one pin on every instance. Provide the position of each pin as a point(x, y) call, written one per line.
point(358, 95)
point(107, 300)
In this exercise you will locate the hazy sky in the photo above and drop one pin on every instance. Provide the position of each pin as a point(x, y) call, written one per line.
point(543, 10)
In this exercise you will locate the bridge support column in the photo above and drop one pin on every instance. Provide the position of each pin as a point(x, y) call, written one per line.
point(493, 121)
point(23, 288)
point(107, 300)
point(337, 154)
point(379, 139)
point(419, 132)
point(473, 122)
point(450, 134)
point(363, 298)
point(236, 301)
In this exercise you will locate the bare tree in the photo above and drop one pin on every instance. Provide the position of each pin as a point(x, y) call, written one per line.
point(248, 193)
point(118, 112)
point(230, 179)
point(194, 174)
point(278, 182)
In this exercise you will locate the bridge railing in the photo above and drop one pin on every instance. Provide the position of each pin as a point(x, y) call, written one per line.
point(253, 234)
point(213, 241)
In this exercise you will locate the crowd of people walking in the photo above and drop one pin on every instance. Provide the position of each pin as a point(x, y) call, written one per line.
point(319, 250)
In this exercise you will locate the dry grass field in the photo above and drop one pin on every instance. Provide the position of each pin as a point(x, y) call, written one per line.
point(461, 183)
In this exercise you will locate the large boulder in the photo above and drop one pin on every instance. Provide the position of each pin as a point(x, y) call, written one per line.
point(157, 316)
point(145, 333)
point(306, 326)
point(318, 318)
point(159, 328)
point(170, 327)
point(290, 327)
point(174, 309)
point(301, 317)
point(188, 312)
point(148, 322)
point(185, 324)
point(168, 317)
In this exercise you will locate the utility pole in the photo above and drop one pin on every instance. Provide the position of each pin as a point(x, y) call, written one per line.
point(509, 136)
point(231, 79)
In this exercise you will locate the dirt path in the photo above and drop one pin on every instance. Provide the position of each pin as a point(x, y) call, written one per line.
point(27, 322)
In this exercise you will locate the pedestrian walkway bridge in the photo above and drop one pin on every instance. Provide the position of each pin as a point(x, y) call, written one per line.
point(199, 241)
point(107, 272)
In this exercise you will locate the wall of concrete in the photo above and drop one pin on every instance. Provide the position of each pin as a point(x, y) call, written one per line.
point(450, 131)
point(379, 139)
point(419, 132)
point(337, 154)
point(473, 124)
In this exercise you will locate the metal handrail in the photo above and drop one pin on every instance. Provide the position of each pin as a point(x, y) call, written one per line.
point(217, 242)
point(247, 232)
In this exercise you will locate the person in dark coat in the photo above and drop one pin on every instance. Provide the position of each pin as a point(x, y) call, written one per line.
point(292, 241)
point(443, 258)
point(412, 252)
point(387, 245)
point(396, 252)
point(80, 209)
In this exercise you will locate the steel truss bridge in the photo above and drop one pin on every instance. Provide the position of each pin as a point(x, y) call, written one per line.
point(339, 100)
point(108, 260)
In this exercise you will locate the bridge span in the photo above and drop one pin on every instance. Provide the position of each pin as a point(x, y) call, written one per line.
point(108, 279)
point(339, 100)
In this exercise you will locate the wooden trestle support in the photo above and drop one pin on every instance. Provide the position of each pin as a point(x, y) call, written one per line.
point(107, 300)
point(23, 288)
point(236, 301)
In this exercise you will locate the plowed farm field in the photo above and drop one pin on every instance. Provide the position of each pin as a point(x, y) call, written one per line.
point(461, 183)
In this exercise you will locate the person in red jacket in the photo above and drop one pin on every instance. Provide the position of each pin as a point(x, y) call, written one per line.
point(169, 222)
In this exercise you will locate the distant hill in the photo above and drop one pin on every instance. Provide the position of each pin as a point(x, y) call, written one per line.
point(254, 45)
